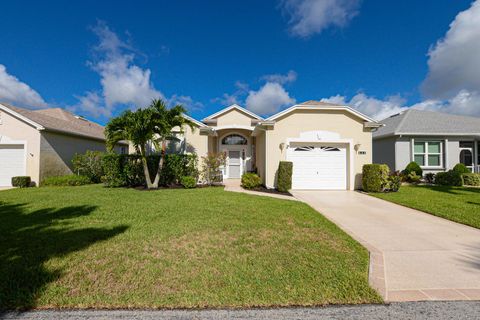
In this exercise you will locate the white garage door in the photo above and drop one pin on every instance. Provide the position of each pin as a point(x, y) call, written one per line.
point(318, 167)
point(12, 163)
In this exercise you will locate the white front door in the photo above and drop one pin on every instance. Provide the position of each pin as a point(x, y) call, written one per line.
point(12, 163)
point(318, 167)
point(234, 164)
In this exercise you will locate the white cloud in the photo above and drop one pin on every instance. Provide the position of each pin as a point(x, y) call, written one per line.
point(18, 93)
point(464, 103)
point(371, 106)
point(454, 62)
point(186, 101)
point(268, 99)
point(291, 76)
point(308, 17)
point(228, 99)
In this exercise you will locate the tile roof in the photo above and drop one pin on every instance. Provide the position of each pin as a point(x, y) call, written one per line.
point(423, 122)
point(319, 103)
point(60, 120)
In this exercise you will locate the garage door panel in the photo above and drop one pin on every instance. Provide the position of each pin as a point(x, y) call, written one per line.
point(12, 163)
point(318, 167)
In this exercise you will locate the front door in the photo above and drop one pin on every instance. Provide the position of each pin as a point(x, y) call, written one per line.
point(234, 164)
point(466, 154)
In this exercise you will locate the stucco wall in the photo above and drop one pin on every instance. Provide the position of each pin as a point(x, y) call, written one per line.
point(260, 155)
point(16, 129)
point(196, 143)
point(234, 117)
point(57, 151)
point(342, 122)
point(384, 151)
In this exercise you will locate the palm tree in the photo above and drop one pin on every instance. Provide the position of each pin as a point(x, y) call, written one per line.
point(151, 124)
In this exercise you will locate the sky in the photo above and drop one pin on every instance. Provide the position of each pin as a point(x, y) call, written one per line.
point(98, 58)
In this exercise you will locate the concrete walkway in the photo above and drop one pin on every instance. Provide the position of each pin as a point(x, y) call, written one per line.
point(414, 256)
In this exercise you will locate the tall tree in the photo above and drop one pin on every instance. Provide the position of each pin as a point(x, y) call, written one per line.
point(152, 124)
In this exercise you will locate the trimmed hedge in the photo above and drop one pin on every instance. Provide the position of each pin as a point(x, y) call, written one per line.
point(449, 178)
point(21, 181)
point(413, 167)
point(284, 176)
point(394, 182)
point(461, 168)
point(471, 179)
point(68, 180)
point(126, 170)
point(375, 177)
point(251, 180)
point(188, 182)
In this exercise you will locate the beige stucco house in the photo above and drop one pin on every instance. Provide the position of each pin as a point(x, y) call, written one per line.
point(41, 143)
point(327, 143)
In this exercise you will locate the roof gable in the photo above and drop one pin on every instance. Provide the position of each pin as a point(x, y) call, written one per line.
point(233, 107)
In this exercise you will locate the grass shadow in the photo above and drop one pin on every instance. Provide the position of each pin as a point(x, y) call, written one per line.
point(29, 239)
point(449, 189)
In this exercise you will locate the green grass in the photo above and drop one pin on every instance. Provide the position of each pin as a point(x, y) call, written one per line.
point(453, 203)
point(89, 246)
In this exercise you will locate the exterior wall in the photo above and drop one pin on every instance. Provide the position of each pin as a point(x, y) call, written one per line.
point(384, 152)
point(260, 155)
point(57, 151)
point(342, 122)
point(195, 143)
point(234, 117)
point(403, 153)
point(16, 129)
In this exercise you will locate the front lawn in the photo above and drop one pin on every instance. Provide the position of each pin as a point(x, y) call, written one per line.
point(453, 203)
point(82, 247)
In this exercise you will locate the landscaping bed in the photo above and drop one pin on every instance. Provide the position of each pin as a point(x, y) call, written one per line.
point(459, 204)
point(96, 247)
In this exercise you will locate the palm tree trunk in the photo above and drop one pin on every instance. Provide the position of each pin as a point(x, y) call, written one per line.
point(160, 166)
point(145, 169)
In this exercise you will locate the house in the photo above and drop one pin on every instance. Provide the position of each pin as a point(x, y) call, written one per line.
point(436, 141)
point(327, 143)
point(41, 143)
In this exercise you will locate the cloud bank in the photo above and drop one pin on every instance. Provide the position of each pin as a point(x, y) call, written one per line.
point(18, 93)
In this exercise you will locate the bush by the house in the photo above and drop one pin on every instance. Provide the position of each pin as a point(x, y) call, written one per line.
point(251, 180)
point(412, 177)
point(471, 179)
point(461, 168)
point(211, 165)
point(89, 164)
point(413, 167)
point(394, 182)
point(375, 177)
point(21, 181)
point(449, 178)
point(122, 170)
point(284, 176)
point(188, 182)
point(430, 177)
point(68, 180)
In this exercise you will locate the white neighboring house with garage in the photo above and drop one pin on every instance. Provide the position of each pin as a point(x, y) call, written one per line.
point(41, 143)
point(327, 143)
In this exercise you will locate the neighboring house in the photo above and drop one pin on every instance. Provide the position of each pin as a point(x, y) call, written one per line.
point(436, 141)
point(328, 144)
point(41, 143)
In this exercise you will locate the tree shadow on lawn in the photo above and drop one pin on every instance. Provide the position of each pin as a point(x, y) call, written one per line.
point(451, 190)
point(29, 239)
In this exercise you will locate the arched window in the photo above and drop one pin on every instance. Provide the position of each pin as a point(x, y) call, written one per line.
point(234, 139)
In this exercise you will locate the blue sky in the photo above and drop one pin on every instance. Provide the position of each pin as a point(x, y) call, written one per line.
point(97, 58)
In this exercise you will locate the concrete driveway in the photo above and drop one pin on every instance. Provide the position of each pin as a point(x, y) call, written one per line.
point(413, 255)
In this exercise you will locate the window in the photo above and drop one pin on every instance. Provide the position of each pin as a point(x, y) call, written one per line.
point(305, 148)
point(234, 139)
point(428, 153)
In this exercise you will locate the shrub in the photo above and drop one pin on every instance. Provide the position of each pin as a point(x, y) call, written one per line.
point(68, 180)
point(188, 182)
point(375, 177)
point(430, 177)
point(21, 181)
point(89, 164)
point(394, 182)
point(251, 180)
point(211, 164)
point(284, 177)
point(471, 179)
point(412, 177)
point(449, 178)
point(413, 167)
point(461, 168)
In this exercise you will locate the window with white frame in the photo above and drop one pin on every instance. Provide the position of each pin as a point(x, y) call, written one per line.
point(428, 153)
